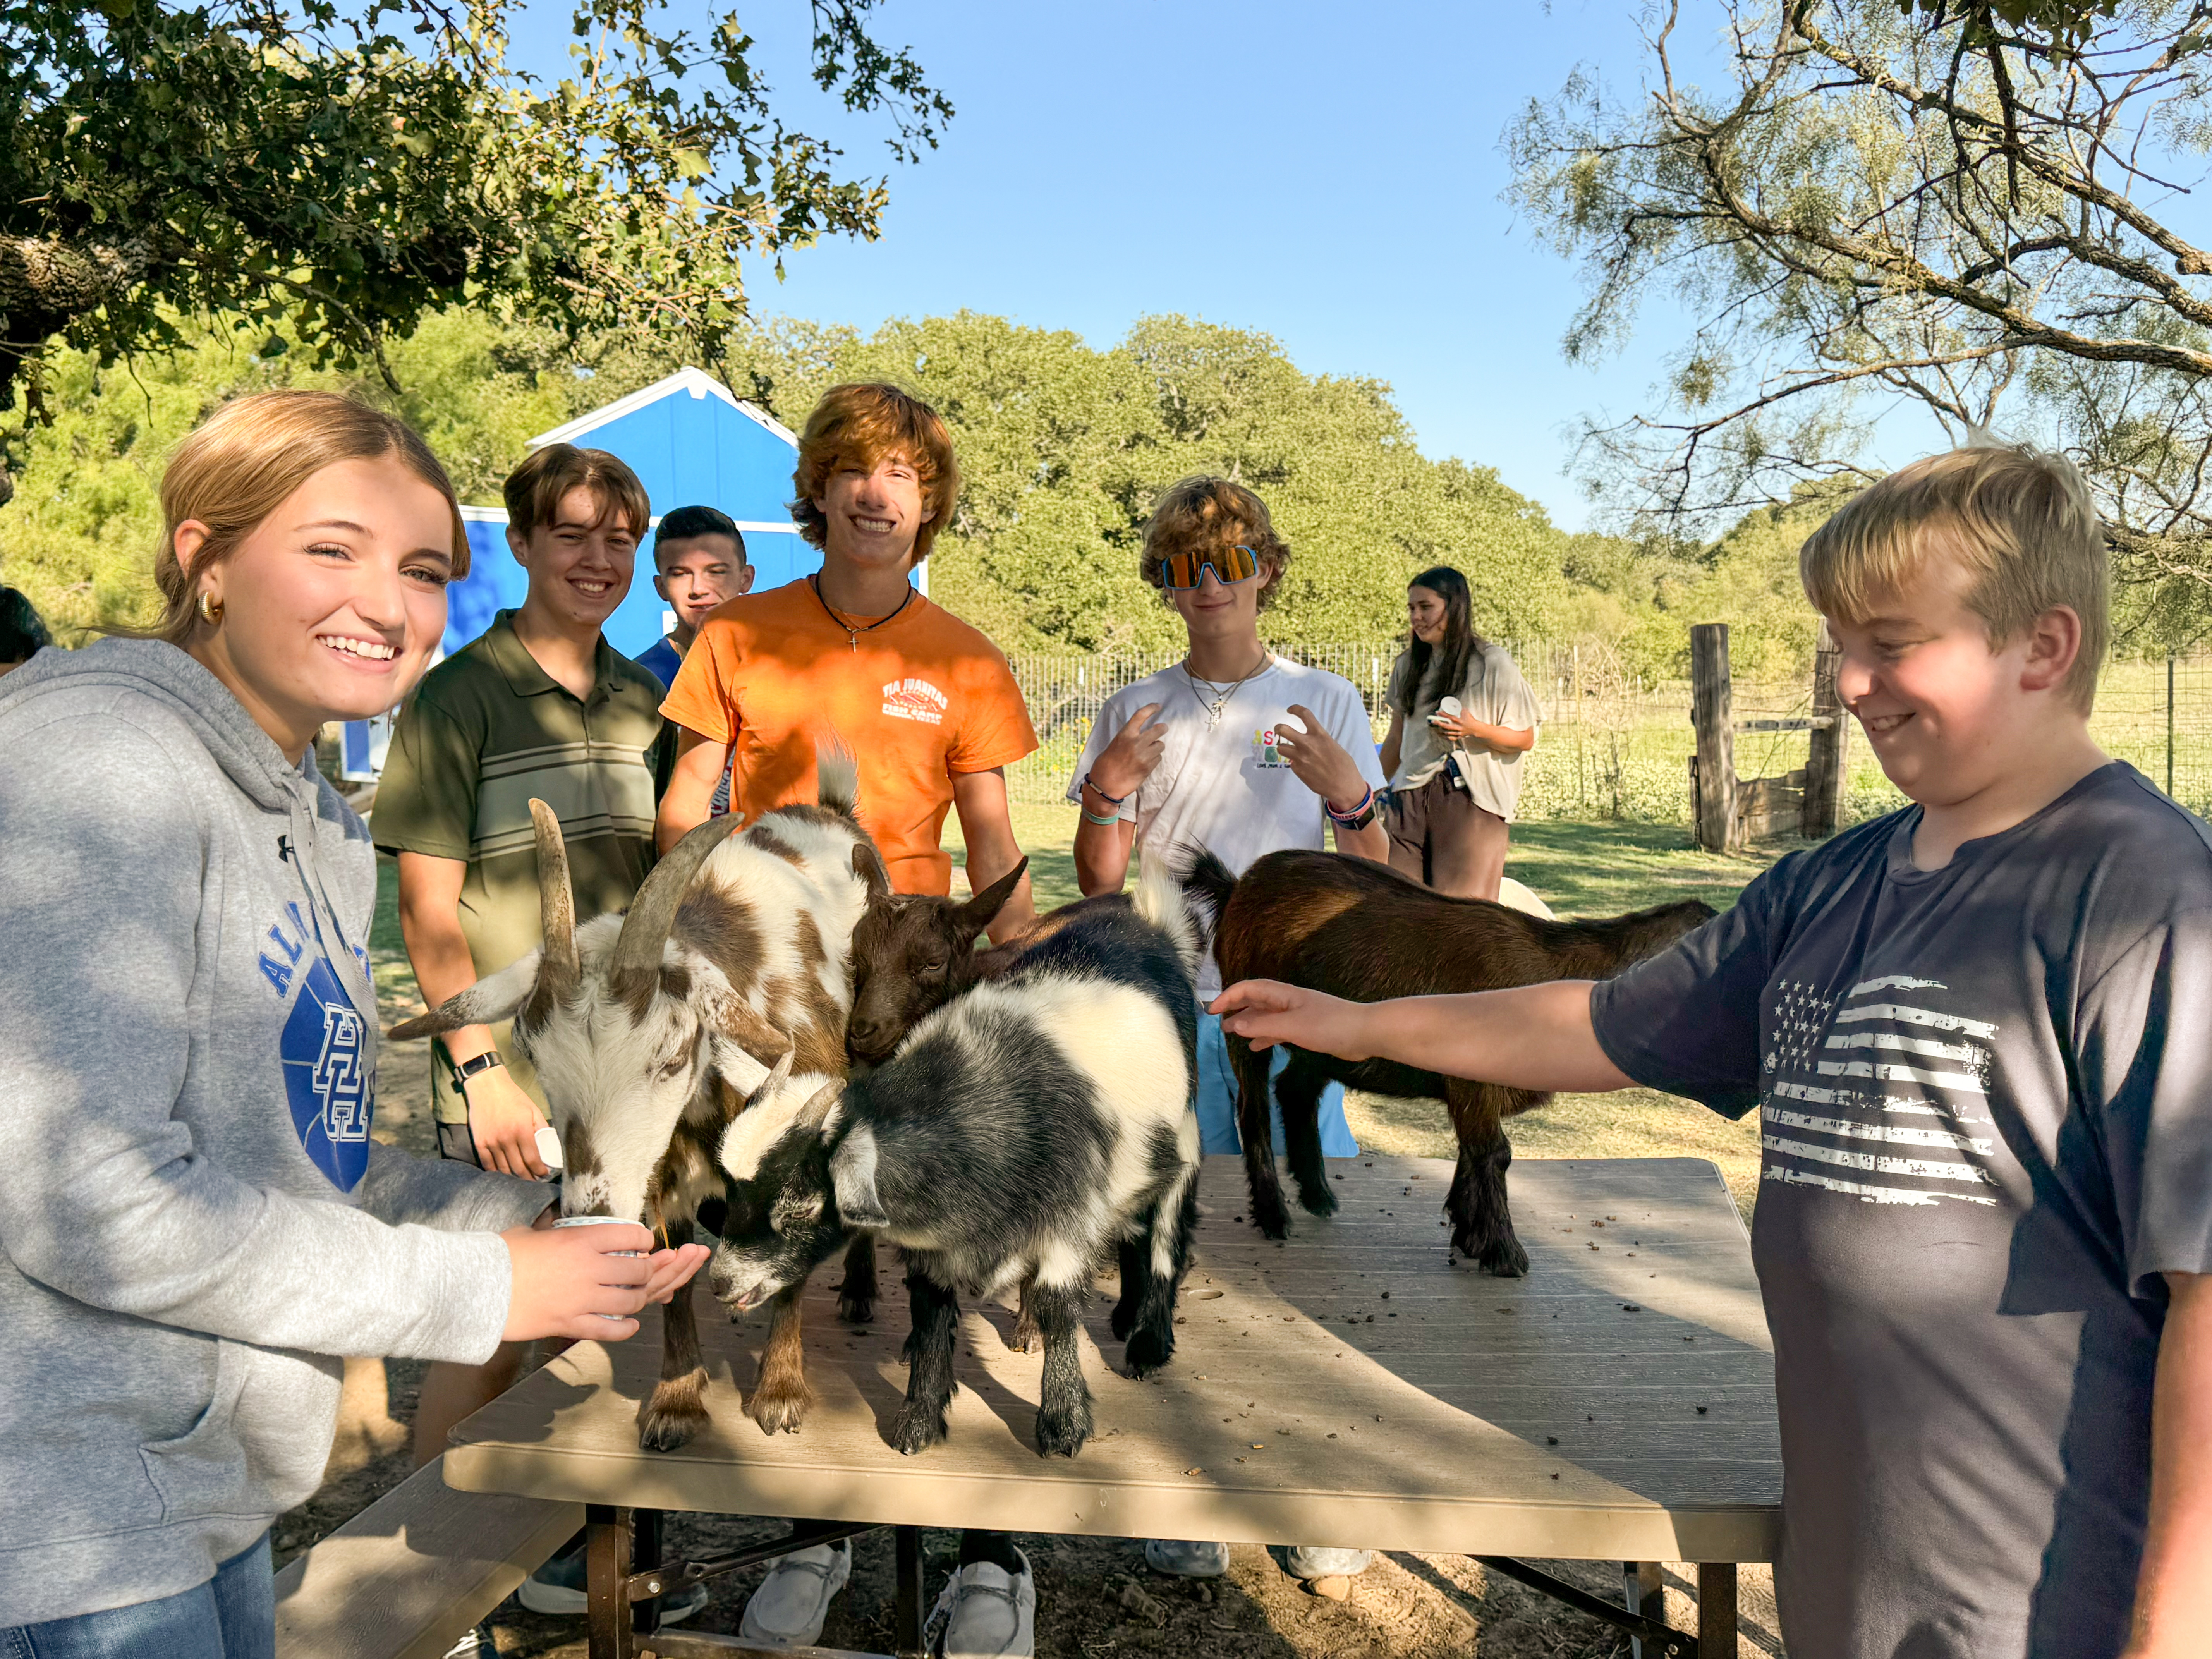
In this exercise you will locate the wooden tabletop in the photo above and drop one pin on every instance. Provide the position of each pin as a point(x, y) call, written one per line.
point(1347, 1387)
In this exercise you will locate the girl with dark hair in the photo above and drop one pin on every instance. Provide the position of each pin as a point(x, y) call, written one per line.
point(1460, 718)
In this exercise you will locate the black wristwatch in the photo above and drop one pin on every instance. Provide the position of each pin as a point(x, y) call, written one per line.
point(466, 1069)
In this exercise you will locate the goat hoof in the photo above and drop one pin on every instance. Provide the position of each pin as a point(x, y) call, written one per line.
point(665, 1428)
point(780, 1413)
point(1124, 1321)
point(1504, 1258)
point(1147, 1351)
point(918, 1429)
point(1026, 1336)
point(1273, 1220)
point(857, 1309)
point(1062, 1436)
point(1317, 1200)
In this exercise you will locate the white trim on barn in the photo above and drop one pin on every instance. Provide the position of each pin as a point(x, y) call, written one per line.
point(697, 381)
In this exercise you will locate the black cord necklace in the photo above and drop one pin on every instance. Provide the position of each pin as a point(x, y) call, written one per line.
point(854, 634)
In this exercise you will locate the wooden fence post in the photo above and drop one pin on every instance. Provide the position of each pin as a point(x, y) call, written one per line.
point(1823, 764)
point(1712, 714)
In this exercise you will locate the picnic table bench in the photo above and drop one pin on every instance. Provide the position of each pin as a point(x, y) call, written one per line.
point(1346, 1386)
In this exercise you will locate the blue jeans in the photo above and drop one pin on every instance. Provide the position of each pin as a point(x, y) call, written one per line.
point(232, 1616)
point(1217, 1100)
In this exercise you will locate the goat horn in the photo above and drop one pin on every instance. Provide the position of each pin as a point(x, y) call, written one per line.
point(653, 913)
point(778, 1074)
point(556, 903)
point(811, 1115)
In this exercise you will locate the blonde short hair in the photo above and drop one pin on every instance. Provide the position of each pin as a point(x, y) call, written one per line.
point(243, 462)
point(2018, 521)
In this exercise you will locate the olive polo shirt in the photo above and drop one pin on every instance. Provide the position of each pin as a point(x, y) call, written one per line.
point(489, 729)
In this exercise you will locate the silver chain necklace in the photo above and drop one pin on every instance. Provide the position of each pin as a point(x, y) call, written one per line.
point(1220, 695)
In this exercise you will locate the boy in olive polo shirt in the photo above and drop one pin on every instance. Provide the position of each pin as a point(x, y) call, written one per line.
point(541, 705)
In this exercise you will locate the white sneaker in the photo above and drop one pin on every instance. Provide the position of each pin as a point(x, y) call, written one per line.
point(984, 1613)
point(1187, 1559)
point(788, 1610)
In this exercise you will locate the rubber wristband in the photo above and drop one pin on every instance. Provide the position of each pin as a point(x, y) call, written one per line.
point(1089, 817)
point(1359, 817)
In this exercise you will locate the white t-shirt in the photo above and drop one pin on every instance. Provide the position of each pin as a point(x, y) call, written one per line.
point(1225, 788)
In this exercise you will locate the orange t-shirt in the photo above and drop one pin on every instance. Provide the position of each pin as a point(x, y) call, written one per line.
point(924, 697)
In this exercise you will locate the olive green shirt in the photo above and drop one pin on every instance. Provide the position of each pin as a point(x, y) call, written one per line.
point(487, 731)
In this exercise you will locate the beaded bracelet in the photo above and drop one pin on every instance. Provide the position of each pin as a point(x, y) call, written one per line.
point(1111, 800)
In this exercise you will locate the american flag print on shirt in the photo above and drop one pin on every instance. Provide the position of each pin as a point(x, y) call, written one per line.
point(1878, 1095)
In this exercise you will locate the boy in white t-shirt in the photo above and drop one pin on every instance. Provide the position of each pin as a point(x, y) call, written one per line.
point(1240, 752)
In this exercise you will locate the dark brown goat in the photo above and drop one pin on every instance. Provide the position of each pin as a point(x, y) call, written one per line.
point(1360, 930)
point(915, 952)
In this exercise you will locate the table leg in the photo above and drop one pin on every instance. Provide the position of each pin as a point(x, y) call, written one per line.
point(1645, 1593)
point(1717, 1610)
point(906, 1636)
point(645, 1554)
point(606, 1559)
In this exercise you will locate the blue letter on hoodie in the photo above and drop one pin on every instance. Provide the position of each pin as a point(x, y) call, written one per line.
point(326, 1079)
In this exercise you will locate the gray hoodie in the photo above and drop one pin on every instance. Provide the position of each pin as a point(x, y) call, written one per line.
point(193, 1216)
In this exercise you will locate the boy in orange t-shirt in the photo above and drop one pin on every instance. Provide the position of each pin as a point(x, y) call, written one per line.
point(855, 655)
point(931, 713)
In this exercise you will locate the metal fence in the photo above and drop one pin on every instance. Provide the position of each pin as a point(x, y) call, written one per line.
point(1616, 744)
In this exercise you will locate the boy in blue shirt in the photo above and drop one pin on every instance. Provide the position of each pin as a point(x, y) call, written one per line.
point(1975, 1034)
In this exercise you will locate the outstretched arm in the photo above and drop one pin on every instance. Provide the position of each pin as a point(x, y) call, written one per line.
point(1534, 1036)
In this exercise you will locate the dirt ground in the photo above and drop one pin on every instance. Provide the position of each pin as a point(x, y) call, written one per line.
point(1095, 1598)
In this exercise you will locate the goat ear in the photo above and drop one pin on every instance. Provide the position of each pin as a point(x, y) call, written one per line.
point(981, 911)
point(483, 1002)
point(853, 1176)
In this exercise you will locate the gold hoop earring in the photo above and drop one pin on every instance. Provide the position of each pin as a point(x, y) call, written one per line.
point(210, 608)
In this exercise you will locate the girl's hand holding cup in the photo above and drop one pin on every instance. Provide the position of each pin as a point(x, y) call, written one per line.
point(589, 1276)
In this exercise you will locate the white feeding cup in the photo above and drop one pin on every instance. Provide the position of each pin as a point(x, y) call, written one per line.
point(1447, 706)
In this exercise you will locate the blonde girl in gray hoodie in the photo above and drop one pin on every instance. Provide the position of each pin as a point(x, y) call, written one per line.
point(194, 1218)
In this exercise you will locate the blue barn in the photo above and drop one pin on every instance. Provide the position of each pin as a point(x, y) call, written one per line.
point(692, 442)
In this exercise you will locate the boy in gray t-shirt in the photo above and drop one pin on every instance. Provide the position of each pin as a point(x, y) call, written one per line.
point(1975, 1035)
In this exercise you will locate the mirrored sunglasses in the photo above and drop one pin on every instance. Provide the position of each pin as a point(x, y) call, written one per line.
point(1230, 565)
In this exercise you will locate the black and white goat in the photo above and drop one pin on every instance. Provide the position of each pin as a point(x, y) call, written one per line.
point(1019, 1131)
point(649, 1028)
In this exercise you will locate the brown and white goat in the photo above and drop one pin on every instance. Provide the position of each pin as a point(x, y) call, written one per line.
point(1361, 930)
point(648, 1030)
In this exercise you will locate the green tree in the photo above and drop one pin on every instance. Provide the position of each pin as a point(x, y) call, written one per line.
point(337, 175)
point(1971, 205)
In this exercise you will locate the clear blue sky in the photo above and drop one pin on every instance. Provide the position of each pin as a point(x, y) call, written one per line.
point(1330, 175)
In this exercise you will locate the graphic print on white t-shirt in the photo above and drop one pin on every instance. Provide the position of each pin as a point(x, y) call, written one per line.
point(1876, 1096)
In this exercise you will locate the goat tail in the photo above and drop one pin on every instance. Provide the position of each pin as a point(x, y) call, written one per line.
point(837, 776)
point(1161, 902)
point(1204, 877)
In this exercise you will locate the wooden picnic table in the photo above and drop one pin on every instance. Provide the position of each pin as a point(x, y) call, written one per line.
point(1349, 1386)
